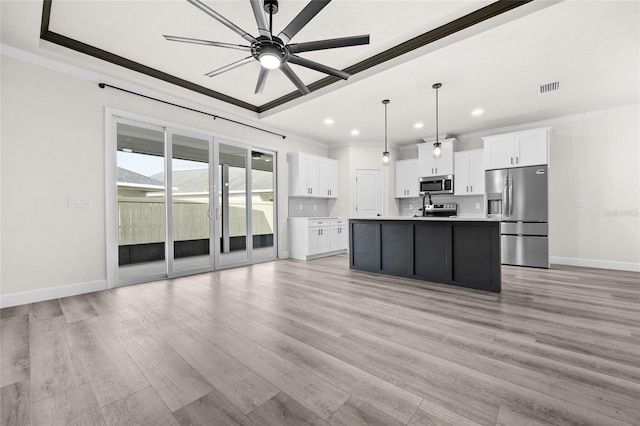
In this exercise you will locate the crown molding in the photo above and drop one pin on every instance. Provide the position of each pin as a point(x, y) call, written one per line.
point(549, 122)
point(97, 77)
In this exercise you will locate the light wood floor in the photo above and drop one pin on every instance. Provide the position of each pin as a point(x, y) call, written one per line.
point(314, 343)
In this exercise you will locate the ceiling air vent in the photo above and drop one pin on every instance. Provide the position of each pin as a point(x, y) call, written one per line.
point(549, 87)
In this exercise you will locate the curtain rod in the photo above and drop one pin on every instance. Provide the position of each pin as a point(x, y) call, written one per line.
point(103, 85)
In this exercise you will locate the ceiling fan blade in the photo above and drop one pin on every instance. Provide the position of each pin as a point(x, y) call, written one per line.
point(224, 21)
point(261, 19)
point(303, 18)
point(262, 79)
point(329, 44)
point(207, 42)
point(286, 69)
point(318, 67)
point(230, 66)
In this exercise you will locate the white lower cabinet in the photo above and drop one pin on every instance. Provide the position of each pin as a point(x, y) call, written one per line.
point(338, 234)
point(317, 237)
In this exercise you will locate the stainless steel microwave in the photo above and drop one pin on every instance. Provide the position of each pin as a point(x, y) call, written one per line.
point(437, 184)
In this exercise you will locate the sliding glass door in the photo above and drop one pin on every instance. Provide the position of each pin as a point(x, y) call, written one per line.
point(190, 249)
point(246, 200)
point(263, 212)
point(188, 203)
point(141, 202)
point(233, 204)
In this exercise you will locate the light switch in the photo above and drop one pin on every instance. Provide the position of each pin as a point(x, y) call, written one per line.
point(580, 204)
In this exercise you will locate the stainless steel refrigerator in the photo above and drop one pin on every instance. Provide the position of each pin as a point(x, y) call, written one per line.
point(519, 197)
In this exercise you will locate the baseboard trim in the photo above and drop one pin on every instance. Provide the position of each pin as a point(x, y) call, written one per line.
point(591, 263)
point(32, 296)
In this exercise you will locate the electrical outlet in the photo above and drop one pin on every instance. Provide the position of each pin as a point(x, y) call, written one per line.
point(300, 207)
point(315, 207)
point(581, 204)
point(477, 206)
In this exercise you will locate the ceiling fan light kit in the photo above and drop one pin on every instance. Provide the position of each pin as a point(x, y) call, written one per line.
point(275, 51)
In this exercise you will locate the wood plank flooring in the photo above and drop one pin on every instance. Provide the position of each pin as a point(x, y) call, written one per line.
point(314, 343)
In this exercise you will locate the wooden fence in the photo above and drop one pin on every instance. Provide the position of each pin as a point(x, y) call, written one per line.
point(143, 221)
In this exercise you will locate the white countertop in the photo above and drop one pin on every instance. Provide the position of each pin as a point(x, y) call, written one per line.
point(470, 218)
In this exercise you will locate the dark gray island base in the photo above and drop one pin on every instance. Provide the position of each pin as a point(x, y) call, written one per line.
point(453, 251)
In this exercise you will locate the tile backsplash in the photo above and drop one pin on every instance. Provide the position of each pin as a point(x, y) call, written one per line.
point(308, 207)
point(466, 205)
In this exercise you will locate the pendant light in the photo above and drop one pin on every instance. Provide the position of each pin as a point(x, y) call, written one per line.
point(385, 154)
point(437, 148)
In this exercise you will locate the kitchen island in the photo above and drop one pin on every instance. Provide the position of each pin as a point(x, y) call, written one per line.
point(460, 251)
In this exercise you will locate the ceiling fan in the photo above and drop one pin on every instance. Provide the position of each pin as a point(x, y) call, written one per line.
point(275, 51)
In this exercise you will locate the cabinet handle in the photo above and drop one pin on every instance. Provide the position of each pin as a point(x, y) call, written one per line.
point(511, 160)
point(517, 160)
point(467, 188)
point(471, 188)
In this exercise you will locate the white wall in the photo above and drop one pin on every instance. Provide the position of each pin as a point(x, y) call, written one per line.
point(53, 138)
point(353, 157)
point(596, 160)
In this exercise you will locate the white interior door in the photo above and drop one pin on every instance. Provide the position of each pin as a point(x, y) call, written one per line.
point(368, 192)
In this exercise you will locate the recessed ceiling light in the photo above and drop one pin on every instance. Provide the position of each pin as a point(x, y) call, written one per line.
point(355, 132)
point(476, 112)
point(328, 121)
point(418, 125)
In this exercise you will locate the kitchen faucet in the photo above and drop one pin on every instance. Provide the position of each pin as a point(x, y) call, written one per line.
point(424, 206)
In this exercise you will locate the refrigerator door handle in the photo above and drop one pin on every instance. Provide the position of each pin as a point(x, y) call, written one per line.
point(510, 195)
point(505, 196)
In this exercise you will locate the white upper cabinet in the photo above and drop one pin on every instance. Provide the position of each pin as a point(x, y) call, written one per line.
point(312, 176)
point(407, 178)
point(517, 149)
point(328, 177)
point(469, 167)
point(428, 166)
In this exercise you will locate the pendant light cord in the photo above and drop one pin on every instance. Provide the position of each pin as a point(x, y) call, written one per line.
point(437, 141)
point(385, 127)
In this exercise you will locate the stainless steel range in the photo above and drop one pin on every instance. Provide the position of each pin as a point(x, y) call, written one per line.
point(429, 209)
point(450, 209)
